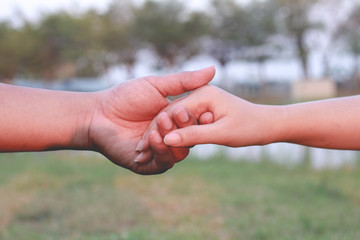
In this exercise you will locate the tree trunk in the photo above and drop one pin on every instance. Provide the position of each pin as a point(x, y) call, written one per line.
point(303, 55)
point(356, 77)
point(326, 66)
point(225, 81)
point(130, 71)
point(264, 92)
point(356, 65)
point(261, 72)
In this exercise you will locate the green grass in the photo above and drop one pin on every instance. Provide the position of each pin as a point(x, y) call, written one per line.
point(63, 195)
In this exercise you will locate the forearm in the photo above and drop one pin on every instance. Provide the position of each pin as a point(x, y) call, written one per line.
point(331, 123)
point(37, 119)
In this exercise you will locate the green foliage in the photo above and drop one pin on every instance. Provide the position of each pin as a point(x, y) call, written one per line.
point(63, 45)
point(13, 49)
point(117, 37)
point(64, 39)
point(169, 30)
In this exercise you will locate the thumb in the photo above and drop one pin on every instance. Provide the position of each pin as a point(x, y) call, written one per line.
point(179, 83)
point(191, 135)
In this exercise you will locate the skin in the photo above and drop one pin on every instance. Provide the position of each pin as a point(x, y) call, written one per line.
point(163, 125)
point(111, 122)
point(332, 123)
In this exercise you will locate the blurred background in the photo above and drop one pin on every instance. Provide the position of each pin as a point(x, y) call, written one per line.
point(265, 51)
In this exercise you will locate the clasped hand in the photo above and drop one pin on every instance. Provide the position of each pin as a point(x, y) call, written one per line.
point(124, 126)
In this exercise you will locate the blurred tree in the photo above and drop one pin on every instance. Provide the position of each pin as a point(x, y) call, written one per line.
point(227, 33)
point(349, 35)
point(91, 60)
point(11, 51)
point(62, 40)
point(297, 24)
point(260, 34)
point(169, 31)
point(118, 35)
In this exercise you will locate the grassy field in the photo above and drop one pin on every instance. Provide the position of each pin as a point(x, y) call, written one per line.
point(62, 195)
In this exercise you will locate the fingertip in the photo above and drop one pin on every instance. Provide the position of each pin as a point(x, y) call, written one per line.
point(180, 153)
point(164, 122)
point(180, 114)
point(162, 115)
point(139, 146)
point(157, 143)
point(155, 137)
point(144, 157)
point(138, 158)
point(208, 73)
point(172, 139)
point(146, 144)
point(210, 69)
point(195, 79)
point(206, 118)
point(162, 151)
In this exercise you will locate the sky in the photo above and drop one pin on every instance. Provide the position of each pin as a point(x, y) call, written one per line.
point(32, 9)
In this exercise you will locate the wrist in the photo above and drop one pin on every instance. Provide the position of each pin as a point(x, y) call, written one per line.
point(85, 107)
point(275, 127)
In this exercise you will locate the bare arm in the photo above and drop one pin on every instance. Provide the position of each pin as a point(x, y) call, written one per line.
point(37, 119)
point(111, 122)
point(330, 123)
point(333, 123)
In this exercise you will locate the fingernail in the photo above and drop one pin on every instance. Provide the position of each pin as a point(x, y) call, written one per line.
point(172, 139)
point(167, 124)
point(137, 159)
point(139, 146)
point(182, 115)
